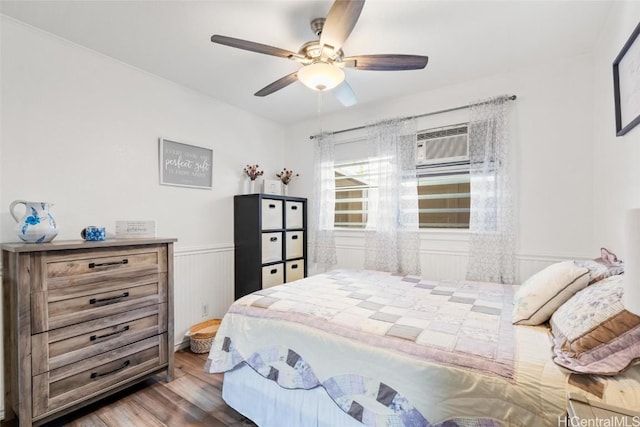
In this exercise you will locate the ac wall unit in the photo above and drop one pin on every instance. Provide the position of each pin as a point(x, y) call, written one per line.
point(443, 145)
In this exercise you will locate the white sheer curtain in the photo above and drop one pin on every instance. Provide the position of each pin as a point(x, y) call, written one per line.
point(392, 239)
point(322, 246)
point(492, 221)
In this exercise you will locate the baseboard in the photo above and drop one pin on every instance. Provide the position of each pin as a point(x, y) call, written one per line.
point(182, 345)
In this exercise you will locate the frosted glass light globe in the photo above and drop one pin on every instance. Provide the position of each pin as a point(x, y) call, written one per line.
point(321, 76)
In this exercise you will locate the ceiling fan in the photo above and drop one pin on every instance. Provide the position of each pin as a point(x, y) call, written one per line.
point(323, 59)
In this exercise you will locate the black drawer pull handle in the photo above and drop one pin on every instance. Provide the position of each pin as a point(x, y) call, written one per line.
point(107, 264)
point(272, 206)
point(109, 300)
point(97, 375)
point(97, 337)
point(294, 237)
point(294, 266)
point(273, 239)
point(274, 271)
point(294, 208)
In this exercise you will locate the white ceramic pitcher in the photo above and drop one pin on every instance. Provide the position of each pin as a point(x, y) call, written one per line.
point(37, 225)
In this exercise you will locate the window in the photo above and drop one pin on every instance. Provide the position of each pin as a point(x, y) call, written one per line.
point(444, 201)
point(352, 191)
point(442, 162)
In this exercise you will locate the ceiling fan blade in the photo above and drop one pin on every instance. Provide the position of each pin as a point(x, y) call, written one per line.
point(345, 94)
point(278, 84)
point(340, 21)
point(252, 46)
point(386, 62)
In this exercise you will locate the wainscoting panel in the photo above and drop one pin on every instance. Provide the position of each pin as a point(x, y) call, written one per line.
point(453, 265)
point(443, 256)
point(443, 265)
point(203, 284)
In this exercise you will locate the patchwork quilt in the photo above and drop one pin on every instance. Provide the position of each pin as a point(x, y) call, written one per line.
point(461, 324)
point(398, 350)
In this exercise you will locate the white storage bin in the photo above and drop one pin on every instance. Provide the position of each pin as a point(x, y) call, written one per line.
point(272, 275)
point(295, 270)
point(294, 248)
point(271, 214)
point(294, 215)
point(271, 247)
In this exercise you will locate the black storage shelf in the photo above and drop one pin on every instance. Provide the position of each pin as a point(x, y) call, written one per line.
point(249, 254)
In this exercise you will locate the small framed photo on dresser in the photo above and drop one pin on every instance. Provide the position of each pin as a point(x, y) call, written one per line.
point(271, 186)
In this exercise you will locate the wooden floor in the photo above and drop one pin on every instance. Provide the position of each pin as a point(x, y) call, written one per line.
point(193, 398)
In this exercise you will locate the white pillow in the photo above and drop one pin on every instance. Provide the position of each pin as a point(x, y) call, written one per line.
point(541, 294)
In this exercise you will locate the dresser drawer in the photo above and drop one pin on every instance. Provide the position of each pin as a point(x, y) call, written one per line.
point(66, 306)
point(84, 379)
point(59, 347)
point(75, 268)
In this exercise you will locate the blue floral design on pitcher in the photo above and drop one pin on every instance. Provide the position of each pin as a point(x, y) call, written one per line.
point(37, 225)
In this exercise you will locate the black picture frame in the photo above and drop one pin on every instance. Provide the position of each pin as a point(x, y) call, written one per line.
point(626, 84)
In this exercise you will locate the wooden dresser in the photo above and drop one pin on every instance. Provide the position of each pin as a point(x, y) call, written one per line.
point(83, 320)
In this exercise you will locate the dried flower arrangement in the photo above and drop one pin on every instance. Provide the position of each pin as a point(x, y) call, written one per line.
point(286, 176)
point(253, 172)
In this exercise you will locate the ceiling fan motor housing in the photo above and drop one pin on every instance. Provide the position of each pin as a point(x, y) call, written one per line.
point(313, 51)
point(317, 25)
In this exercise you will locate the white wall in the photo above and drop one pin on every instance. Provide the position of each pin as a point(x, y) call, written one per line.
point(617, 165)
point(80, 130)
point(552, 134)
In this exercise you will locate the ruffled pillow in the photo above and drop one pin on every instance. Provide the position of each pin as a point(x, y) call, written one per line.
point(593, 333)
point(600, 268)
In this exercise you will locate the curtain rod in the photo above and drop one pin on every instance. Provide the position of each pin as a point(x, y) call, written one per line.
point(509, 98)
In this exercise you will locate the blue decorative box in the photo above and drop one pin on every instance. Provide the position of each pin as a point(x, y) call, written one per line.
point(93, 233)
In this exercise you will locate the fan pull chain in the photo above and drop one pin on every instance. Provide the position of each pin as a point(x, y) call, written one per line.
point(319, 111)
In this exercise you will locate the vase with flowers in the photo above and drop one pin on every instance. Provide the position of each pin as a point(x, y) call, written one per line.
point(286, 176)
point(253, 173)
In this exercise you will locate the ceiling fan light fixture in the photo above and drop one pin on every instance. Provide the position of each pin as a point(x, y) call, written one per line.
point(320, 76)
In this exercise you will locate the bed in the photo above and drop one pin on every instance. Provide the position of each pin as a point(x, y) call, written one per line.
point(357, 347)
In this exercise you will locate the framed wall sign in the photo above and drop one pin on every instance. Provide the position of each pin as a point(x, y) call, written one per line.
point(626, 84)
point(185, 165)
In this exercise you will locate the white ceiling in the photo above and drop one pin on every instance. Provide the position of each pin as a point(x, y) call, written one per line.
point(464, 40)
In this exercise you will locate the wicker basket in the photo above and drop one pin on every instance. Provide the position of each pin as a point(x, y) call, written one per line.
point(201, 335)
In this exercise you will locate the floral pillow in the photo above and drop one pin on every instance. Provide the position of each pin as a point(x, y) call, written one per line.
point(600, 268)
point(541, 294)
point(593, 333)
